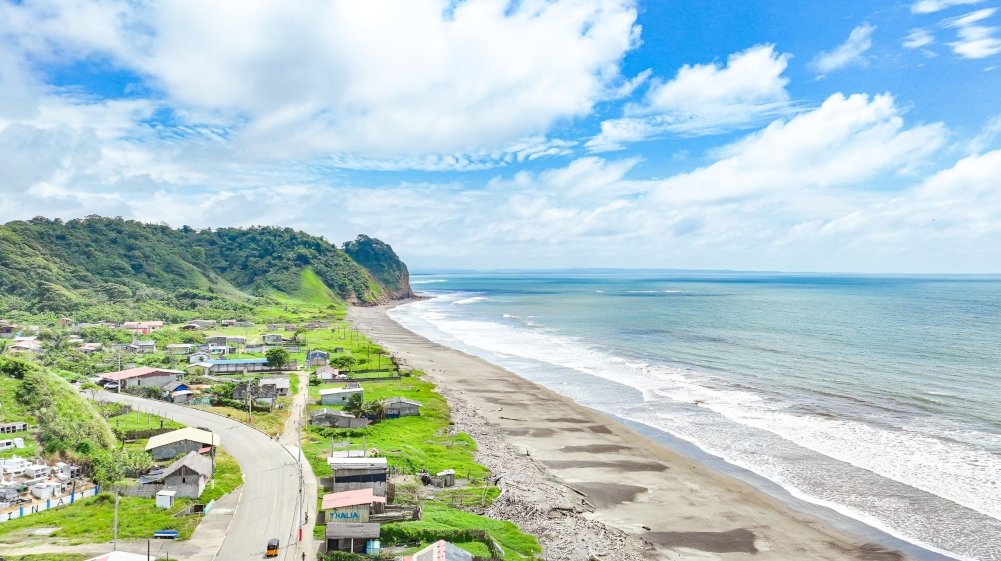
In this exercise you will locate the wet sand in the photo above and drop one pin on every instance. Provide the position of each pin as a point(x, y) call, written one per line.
point(590, 487)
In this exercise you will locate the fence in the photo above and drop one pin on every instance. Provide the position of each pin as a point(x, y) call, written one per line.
point(146, 491)
point(139, 434)
point(43, 505)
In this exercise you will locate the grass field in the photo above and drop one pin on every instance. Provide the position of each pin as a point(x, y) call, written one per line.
point(440, 518)
point(137, 420)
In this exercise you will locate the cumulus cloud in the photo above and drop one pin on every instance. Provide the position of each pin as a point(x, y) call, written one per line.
point(845, 141)
point(932, 6)
point(705, 99)
point(850, 53)
point(376, 80)
point(974, 40)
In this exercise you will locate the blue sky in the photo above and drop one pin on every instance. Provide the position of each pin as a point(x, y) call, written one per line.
point(799, 136)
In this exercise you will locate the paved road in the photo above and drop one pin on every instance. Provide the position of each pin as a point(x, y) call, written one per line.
point(269, 505)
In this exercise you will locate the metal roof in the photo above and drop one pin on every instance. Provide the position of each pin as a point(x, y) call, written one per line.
point(351, 498)
point(187, 433)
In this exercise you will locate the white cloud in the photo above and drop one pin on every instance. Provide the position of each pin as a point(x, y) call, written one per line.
point(376, 80)
point(918, 38)
point(974, 40)
point(850, 53)
point(705, 99)
point(932, 6)
point(845, 141)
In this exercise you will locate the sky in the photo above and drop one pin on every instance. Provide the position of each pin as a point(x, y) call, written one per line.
point(803, 135)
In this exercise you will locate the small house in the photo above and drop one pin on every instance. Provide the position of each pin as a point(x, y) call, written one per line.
point(199, 357)
point(401, 407)
point(339, 396)
point(165, 498)
point(203, 323)
point(179, 348)
point(88, 348)
point(236, 341)
point(317, 358)
point(188, 475)
point(337, 419)
point(177, 392)
point(272, 339)
point(328, 374)
point(359, 473)
point(174, 443)
point(228, 322)
point(216, 340)
point(353, 537)
point(351, 506)
point(277, 387)
point(142, 347)
point(142, 327)
point(144, 376)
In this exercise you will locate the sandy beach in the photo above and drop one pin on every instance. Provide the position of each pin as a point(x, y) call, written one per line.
point(591, 488)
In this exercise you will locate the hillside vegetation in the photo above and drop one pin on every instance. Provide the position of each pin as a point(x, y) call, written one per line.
point(61, 267)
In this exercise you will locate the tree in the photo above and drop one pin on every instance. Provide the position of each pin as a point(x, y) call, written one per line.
point(344, 362)
point(355, 406)
point(14, 368)
point(375, 409)
point(277, 358)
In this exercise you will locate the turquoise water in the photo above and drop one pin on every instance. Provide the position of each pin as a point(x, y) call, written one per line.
point(878, 397)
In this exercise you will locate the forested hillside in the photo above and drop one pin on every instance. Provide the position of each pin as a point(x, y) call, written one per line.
point(55, 266)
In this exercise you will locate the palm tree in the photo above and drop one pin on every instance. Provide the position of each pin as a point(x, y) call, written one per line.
point(375, 409)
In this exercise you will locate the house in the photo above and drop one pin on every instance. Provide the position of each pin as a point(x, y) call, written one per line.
point(144, 376)
point(64, 322)
point(272, 339)
point(339, 396)
point(277, 386)
point(216, 340)
point(189, 327)
point(88, 348)
point(171, 444)
point(440, 550)
point(26, 344)
point(203, 323)
point(177, 392)
point(188, 475)
point(254, 348)
point(142, 327)
point(179, 348)
point(353, 537)
point(351, 506)
point(221, 350)
point(359, 473)
point(328, 374)
point(337, 419)
point(317, 358)
point(236, 341)
point(18, 426)
point(239, 365)
point(142, 347)
point(9, 331)
point(401, 407)
point(199, 357)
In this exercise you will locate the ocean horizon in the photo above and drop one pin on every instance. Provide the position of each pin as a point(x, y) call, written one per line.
point(877, 396)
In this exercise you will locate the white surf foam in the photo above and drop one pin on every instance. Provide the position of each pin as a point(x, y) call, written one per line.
point(952, 469)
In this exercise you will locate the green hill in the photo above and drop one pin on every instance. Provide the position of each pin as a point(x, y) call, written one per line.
point(55, 266)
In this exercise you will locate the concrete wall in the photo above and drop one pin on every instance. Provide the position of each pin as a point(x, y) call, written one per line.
point(39, 506)
point(150, 381)
point(357, 513)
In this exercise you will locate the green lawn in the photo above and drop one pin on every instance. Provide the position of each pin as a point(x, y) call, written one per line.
point(410, 443)
point(227, 477)
point(442, 519)
point(136, 420)
point(90, 520)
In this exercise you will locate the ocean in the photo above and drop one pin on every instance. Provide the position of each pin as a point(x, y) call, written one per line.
point(877, 397)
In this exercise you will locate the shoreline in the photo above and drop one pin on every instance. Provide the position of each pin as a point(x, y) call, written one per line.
point(588, 485)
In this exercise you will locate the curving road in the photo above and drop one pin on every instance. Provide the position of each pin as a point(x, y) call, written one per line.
point(269, 505)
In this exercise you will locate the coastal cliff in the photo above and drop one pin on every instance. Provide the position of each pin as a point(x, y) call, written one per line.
point(55, 266)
